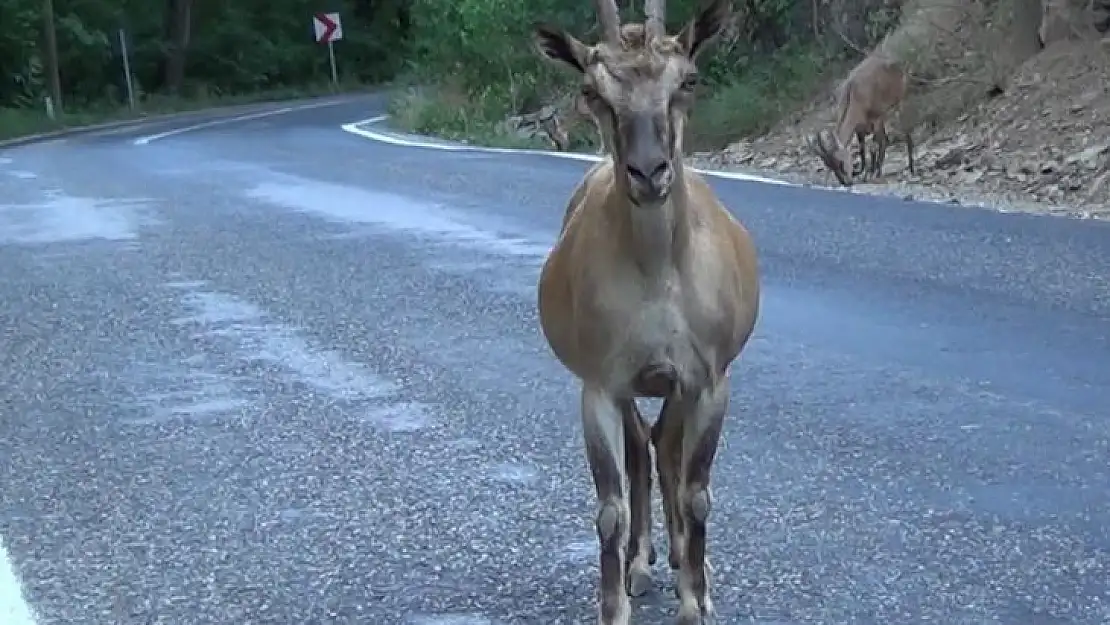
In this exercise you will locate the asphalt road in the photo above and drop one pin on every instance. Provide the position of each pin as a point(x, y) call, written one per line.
point(269, 371)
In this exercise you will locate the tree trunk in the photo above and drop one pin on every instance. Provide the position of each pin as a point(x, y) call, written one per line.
point(51, 42)
point(1025, 41)
point(179, 26)
point(1067, 19)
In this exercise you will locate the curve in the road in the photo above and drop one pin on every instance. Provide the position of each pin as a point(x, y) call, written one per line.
point(361, 129)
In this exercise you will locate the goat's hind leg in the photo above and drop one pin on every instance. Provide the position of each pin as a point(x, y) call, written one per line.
point(603, 426)
point(694, 426)
point(667, 439)
point(637, 459)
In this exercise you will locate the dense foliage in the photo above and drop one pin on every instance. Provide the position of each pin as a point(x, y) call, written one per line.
point(483, 42)
point(230, 47)
point(476, 54)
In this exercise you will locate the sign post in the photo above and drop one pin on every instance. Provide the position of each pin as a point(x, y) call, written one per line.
point(331, 60)
point(127, 68)
point(329, 29)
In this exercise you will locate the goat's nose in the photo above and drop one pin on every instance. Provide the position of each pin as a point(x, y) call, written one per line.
point(653, 174)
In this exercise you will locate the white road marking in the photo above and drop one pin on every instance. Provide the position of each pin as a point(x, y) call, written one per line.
point(229, 120)
point(58, 217)
point(14, 609)
point(396, 212)
point(357, 128)
point(257, 338)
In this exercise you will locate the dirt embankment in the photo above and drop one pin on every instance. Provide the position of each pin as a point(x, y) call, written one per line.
point(998, 119)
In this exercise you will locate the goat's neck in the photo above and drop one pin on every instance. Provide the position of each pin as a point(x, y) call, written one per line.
point(655, 237)
point(850, 120)
point(845, 132)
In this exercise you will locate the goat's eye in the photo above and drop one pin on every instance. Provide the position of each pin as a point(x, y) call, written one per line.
point(690, 83)
point(589, 92)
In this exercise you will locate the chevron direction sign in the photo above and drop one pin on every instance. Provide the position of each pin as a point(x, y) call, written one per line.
point(328, 27)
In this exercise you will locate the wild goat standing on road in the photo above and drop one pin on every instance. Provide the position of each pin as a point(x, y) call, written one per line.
point(651, 290)
point(863, 102)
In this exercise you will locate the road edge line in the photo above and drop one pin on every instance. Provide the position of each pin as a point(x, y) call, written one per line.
point(156, 118)
point(356, 128)
point(14, 609)
point(146, 140)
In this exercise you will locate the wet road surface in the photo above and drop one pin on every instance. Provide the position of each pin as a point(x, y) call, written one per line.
point(274, 372)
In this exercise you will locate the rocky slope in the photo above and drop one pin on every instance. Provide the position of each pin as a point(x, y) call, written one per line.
point(1042, 144)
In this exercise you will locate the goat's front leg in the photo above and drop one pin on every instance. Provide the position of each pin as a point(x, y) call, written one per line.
point(603, 426)
point(861, 137)
point(666, 436)
point(694, 426)
point(637, 463)
point(881, 143)
point(909, 151)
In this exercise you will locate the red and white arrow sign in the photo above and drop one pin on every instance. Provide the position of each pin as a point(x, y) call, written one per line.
point(328, 27)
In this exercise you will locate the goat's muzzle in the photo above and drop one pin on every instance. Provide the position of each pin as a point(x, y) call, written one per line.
point(649, 181)
point(828, 155)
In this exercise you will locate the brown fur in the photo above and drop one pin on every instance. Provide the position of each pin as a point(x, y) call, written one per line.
point(651, 290)
point(864, 101)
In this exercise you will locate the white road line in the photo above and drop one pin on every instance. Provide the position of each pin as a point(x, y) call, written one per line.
point(229, 120)
point(357, 128)
point(13, 608)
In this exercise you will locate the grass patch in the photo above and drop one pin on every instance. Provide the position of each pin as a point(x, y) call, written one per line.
point(756, 100)
point(446, 113)
point(759, 96)
point(21, 122)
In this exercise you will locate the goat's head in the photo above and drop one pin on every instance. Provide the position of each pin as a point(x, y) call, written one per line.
point(638, 83)
point(833, 154)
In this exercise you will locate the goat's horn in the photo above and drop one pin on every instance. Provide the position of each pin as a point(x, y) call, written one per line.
point(822, 143)
point(654, 12)
point(812, 142)
point(609, 18)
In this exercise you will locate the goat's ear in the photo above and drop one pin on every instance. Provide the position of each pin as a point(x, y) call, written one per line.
point(557, 44)
point(703, 28)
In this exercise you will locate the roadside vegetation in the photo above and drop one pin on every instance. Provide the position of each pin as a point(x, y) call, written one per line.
point(1005, 100)
point(475, 66)
point(184, 55)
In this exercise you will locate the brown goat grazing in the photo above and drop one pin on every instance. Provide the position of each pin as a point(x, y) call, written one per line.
point(864, 101)
point(651, 290)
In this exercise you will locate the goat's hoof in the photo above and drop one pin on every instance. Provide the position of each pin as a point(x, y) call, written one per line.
point(639, 582)
point(696, 617)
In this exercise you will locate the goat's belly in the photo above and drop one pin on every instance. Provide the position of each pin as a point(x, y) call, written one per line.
point(657, 351)
point(656, 368)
